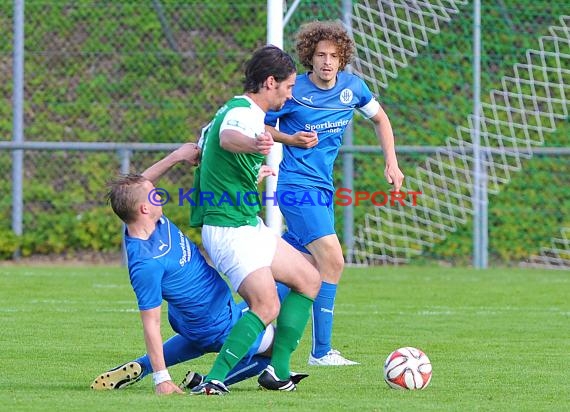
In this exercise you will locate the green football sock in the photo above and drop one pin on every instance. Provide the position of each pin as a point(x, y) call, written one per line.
point(242, 336)
point(291, 322)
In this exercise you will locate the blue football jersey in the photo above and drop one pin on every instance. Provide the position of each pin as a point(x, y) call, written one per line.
point(327, 112)
point(168, 266)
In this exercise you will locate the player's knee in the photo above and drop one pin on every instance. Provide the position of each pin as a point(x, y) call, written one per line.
point(332, 266)
point(273, 310)
point(337, 263)
point(267, 310)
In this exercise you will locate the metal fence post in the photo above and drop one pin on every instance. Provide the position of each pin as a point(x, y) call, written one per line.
point(348, 158)
point(125, 156)
point(480, 235)
point(18, 123)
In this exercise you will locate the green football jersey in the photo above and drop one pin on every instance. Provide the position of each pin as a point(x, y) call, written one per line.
point(226, 192)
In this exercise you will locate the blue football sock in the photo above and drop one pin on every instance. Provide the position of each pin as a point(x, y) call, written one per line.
point(145, 363)
point(247, 368)
point(282, 290)
point(323, 312)
point(177, 349)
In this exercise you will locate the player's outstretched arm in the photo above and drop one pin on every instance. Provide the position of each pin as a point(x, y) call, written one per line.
point(236, 142)
point(383, 128)
point(153, 341)
point(188, 152)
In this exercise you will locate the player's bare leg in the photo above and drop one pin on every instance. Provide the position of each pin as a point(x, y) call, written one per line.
point(291, 268)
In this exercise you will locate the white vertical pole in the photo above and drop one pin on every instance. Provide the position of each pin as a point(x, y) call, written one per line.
point(273, 218)
point(18, 121)
point(480, 235)
point(348, 157)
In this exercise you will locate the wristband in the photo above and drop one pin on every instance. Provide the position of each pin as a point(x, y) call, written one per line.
point(161, 376)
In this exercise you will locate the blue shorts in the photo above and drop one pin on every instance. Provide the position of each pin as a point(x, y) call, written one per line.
point(200, 342)
point(308, 213)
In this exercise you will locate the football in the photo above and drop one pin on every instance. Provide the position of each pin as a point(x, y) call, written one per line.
point(407, 368)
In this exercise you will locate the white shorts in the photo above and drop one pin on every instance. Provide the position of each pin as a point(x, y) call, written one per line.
point(267, 339)
point(239, 251)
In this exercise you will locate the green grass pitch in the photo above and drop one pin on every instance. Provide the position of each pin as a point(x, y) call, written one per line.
point(498, 340)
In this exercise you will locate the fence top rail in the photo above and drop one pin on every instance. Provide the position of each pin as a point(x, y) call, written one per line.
point(88, 146)
point(158, 147)
point(565, 151)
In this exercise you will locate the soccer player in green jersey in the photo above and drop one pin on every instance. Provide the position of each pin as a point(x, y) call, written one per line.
point(252, 256)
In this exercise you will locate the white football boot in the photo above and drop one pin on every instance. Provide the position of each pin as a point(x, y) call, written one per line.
point(332, 358)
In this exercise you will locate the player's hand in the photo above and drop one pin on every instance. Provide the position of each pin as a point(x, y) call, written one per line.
point(394, 176)
point(265, 171)
point(264, 143)
point(166, 388)
point(305, 140)
point(189, 153)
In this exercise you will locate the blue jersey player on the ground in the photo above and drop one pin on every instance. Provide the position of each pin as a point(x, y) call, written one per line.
point(311, 126)
point(165, 265)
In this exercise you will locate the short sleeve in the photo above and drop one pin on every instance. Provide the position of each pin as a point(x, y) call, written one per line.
point(241, 119)
point(146, 280)
point(367, 103)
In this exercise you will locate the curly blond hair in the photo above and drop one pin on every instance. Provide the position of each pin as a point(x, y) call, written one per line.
point(310, 34)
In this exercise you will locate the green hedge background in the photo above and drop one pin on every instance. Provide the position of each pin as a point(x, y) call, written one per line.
point(156, 71)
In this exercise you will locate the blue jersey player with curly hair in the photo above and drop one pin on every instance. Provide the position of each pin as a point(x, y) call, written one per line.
point(311, 127)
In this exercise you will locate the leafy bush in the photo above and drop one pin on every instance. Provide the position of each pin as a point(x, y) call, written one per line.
point(106, 71)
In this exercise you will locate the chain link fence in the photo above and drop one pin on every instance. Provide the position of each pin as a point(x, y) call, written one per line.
point(103, 71)
point(156, 71)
